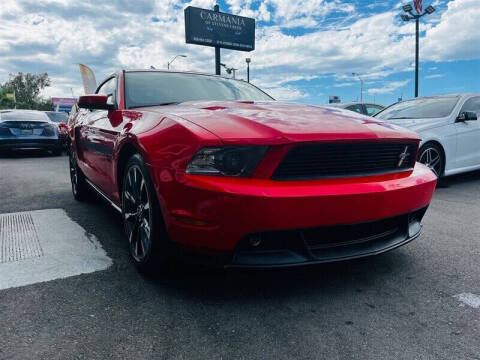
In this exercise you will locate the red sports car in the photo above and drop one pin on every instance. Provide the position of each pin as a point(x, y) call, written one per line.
point(215, 170)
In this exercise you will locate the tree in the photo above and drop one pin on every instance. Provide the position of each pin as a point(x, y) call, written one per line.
point(27, 88)
point(5, 101)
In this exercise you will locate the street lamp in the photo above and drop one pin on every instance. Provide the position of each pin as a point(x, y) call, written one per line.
point(247, 60)
point(229, 70)
point(361, 85)
point(408, 9)
point(171, 61)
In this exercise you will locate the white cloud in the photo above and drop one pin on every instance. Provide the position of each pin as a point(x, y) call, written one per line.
point(388, 87)
point(434, 76)
point(286, 93)
point(55, 36)
point(457, 35)
point(346, 84)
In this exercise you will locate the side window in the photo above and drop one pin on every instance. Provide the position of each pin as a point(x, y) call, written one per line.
point(472, 105)
point(357, 108)
point(109, 88)
point(372, 109)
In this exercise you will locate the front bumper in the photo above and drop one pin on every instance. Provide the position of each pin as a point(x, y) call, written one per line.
point(327, 244)
point(217, 216)
point(315, 245)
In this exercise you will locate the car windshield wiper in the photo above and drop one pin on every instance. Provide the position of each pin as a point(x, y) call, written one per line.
point(401, 117)
point(160, 104)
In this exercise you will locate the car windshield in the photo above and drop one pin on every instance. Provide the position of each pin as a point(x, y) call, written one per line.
point(144, 88)
point(22, 115)
point(57, 116)
point(420, 108)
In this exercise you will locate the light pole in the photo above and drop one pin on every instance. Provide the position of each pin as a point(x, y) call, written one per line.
point(361, 85)
point(408, 9)
point(229, 70)
point(247, 60)
point(171, 61)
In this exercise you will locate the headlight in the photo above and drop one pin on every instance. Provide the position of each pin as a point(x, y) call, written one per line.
point(227, 161)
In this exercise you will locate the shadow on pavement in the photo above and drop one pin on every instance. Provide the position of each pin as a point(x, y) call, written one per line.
point(464, 178)
point(21, 154)
point(210, 284)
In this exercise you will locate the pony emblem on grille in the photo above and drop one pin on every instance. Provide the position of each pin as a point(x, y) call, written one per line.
point(403, 156)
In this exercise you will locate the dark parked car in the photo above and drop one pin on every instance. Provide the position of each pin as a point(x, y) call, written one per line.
point(28, 129)
point(60, 118)
point(361, 108)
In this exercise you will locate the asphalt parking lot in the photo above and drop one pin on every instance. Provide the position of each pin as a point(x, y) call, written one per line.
point(404, 304)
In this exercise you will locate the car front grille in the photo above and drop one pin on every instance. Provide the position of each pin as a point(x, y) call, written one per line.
point(326, 160)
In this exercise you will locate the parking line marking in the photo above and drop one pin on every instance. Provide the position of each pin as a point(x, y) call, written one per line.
point(469, 299)
point(44, 245)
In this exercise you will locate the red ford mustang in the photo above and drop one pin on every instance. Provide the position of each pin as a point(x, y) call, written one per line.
point(216, 170)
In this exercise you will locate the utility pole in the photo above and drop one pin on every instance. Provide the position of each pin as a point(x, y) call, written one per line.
point(409, 10)
point(361, 85)
point(247, 60)
point(216, 8)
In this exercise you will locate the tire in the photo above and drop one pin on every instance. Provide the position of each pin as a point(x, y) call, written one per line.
point(431, 155)
point(142, 218)
point(57, 152)
point(77, 179)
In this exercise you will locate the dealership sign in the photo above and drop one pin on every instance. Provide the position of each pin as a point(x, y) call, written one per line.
point(333, 99)
point(63, 104)
point(218, 29)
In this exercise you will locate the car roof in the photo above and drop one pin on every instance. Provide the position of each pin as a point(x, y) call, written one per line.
point(445, 95)
point(353, 103)
point(42, 115)
point(174, 72)
point(22, 110)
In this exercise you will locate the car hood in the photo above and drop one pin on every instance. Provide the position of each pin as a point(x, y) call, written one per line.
point(420, 124)
point(274, 121)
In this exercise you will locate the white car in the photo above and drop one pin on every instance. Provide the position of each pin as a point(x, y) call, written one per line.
point(448, 127)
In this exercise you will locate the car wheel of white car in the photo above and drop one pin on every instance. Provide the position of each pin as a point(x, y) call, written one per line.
point(432, 156)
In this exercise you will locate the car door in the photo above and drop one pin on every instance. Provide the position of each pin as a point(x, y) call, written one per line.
point(99, 149)
point(468, 136)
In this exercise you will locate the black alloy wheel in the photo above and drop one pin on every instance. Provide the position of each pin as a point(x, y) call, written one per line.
point(79, 188)
point(141, 217)
point(432, 156)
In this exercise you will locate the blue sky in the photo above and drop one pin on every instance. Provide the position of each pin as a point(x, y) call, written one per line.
point(305, 50)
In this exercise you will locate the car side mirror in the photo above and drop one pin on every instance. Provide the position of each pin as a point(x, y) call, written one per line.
point(466, 116)
point(95, 102)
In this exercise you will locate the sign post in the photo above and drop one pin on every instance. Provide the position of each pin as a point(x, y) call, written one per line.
point(216, 8)
point(219, 30)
